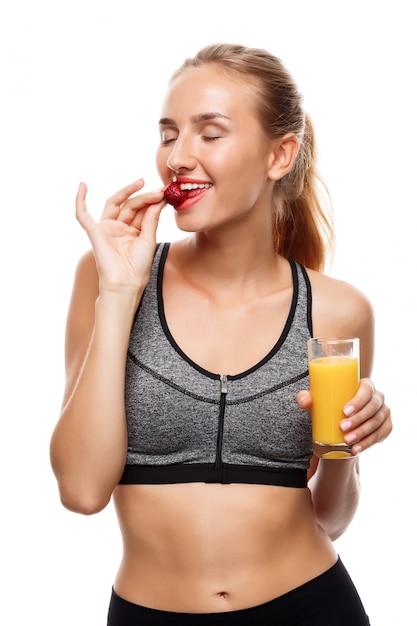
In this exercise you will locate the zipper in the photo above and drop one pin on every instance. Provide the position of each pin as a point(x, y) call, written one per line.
point(223, 394)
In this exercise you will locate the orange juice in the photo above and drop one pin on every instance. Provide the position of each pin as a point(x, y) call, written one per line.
point(333, 381)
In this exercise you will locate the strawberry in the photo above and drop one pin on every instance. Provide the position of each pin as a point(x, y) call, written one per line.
point(174, 194)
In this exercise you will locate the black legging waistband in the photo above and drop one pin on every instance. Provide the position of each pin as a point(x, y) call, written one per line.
point(330, 599)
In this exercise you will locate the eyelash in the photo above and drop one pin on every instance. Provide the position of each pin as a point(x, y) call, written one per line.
point(166, 142)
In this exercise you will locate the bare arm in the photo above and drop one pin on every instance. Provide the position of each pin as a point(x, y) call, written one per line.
point(88, 445)
point(340, 310)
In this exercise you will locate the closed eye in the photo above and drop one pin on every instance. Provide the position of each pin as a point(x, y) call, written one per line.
point(166, 142)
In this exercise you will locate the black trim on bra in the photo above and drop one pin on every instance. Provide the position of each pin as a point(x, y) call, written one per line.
point(309, 300)
point(163, 321)
point(141, 299)
point(208, 473)
point(193, 364)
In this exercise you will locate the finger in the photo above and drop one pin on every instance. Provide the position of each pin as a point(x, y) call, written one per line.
point(113, 204)
point(359, 423)
point(149, 222)
point(304, 399)
point(146, 222)
point(82, 215)
point(139, 215)
point(364, 394)
point(130, 209)
point(374, 431)
point(371, 430)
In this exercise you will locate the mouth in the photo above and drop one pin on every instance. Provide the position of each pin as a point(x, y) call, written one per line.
point(193, 190)
point(183, 192)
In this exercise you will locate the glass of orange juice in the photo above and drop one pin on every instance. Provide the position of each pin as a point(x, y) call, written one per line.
point(333, 364)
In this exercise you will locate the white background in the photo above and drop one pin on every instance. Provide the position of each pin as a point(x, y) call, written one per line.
point(81, 87)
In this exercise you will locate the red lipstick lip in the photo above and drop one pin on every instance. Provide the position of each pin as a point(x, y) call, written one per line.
point(185, 179)
point(191, 200)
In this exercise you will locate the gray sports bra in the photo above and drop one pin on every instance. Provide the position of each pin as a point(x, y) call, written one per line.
point(186, 424)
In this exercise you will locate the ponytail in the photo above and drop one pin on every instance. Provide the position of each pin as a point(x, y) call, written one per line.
point(303, 228)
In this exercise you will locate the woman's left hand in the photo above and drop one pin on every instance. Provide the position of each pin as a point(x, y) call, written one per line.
point(368, 419)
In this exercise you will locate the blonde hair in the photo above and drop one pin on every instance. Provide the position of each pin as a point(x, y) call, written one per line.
point(303, 228)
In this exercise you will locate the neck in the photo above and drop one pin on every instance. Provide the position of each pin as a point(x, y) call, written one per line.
point(240, 268)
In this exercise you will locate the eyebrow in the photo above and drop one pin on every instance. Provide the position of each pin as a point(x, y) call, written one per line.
point(195, 119)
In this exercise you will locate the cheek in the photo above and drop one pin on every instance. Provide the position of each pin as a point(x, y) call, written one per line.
point(248, 175)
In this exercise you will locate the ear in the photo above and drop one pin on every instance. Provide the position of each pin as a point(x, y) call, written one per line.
point(282, 157)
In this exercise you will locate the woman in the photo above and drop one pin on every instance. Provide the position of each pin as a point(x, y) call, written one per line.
point(187, 387)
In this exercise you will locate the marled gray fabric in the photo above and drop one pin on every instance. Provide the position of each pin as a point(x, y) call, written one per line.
point(173, 405)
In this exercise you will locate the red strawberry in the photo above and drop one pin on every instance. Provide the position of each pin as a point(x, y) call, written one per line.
point(174, 194)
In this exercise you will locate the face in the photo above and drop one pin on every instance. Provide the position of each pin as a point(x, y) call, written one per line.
point(212, 143)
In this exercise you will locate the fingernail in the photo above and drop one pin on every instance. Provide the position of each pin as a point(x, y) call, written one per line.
point(302, 398)
point(345, 425)
point(348, 410)
point(350, 438)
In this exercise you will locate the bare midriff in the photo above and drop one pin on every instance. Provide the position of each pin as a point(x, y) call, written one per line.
point(203, 548)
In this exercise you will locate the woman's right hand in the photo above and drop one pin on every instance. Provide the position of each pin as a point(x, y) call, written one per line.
point(124, 239)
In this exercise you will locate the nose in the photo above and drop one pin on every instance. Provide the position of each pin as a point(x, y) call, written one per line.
point(182, 156)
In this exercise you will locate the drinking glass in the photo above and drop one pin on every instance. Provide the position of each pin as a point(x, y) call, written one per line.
point(333, 364)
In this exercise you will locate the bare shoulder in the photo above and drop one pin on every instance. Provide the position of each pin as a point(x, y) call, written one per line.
point(339, 308)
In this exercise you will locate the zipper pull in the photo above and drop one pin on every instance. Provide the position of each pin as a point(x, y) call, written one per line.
point(223, 383)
